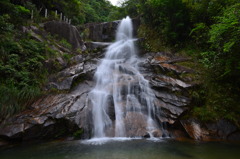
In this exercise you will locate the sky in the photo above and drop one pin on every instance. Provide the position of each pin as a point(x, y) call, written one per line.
point(114, 2)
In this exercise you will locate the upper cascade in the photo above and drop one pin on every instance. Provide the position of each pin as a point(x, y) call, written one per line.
point(125, 30)
point(123, 103)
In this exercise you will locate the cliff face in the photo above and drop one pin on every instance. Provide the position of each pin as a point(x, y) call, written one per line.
point(62, 114)
point(73, 110)
point(104, 32)
point(66, 31)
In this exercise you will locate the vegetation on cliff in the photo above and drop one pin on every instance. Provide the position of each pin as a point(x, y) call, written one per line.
point(23, 58)
point(206, 30)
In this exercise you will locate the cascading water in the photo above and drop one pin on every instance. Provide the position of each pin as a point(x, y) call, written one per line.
point(122, 99)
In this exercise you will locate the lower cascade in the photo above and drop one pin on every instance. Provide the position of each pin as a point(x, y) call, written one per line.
point(123, 102)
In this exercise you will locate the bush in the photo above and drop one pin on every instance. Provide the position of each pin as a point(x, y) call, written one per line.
point(169, 17)
point(21, 70)
point(224, 40)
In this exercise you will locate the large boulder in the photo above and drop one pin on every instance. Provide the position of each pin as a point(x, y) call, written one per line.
point(219, 130)
point(66, 31)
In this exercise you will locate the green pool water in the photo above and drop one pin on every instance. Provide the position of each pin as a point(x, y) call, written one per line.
point(123, 149)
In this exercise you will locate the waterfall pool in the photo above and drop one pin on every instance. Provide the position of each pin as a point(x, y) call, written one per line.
point(123, 148)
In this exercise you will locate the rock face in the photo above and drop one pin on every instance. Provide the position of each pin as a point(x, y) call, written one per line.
point(71, 111)
point(56, 115)
point(220, 130)
point(62, 114)
point(51, 116)
point(171, 93)
point(104, 32)
point(82, 70)
point(66, 31)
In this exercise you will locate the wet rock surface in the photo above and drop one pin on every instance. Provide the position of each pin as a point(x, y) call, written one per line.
point(50, 116)
point(171, 93)
point(72, 110)
point(62, 114)
point(82, 69)
point(220, 130)
point(105, 32)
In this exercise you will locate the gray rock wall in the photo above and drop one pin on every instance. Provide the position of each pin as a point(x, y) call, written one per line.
point(66, 31)
point(104, 32)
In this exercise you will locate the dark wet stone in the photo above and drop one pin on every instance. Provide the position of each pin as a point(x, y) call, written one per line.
point(234, 136)
point(222, 128)
point(73, 110)
point(147, 135)
point(219, 130)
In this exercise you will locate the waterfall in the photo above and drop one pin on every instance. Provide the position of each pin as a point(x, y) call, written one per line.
point(123, 103)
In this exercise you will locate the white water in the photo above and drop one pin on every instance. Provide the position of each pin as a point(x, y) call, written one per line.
point(121, 90)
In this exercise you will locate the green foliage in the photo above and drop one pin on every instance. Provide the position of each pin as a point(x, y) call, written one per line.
point(5, 26)
point(211, 30)
point(152, 42)
point(199, 34)
point(97, 10)
point(21, 68)
point(220, 101)
point(79, 11)
point(222, 59)
point(224, 40)
point(208, 29)
point(67, 56)
point(128, 8)
point(22, 71)
point(65, 44)
point(169, 17)
point(13, 100)
point(18, 14)
point(77, 134)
